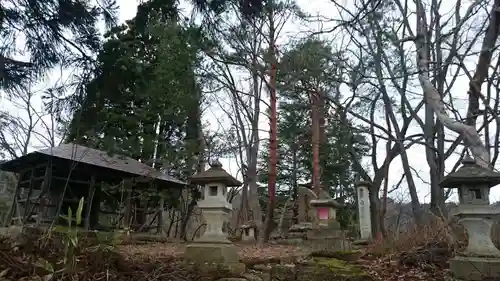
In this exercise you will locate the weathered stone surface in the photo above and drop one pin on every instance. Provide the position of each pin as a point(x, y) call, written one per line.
point(215, 253)
point(251, 276)
point(214, 256)
point(317, 269)
point(363, 190)
point(264, 276)
point(300, 227)
point(218, 269)
point(475, 269)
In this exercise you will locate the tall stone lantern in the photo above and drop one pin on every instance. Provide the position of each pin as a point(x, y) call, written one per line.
point(213, 247)
point(481, 259)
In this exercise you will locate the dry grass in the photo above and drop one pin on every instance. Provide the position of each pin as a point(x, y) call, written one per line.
point(437, 233)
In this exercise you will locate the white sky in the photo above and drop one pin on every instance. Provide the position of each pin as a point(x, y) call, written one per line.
point(316, 7)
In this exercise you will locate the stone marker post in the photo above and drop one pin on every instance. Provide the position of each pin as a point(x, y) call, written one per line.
point(481, 259)
point(365, 223)
point(213, 248)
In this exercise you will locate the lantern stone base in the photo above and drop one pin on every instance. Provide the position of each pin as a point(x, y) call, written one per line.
point(210, 256)
point(475, 268)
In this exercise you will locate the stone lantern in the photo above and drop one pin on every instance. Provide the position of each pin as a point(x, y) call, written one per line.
point(248, 234)
point(213, 246)
point(326, 211)
point(214, 204)
point(481, 259)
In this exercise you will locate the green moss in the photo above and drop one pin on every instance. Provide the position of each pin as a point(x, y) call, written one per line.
point(338, 266)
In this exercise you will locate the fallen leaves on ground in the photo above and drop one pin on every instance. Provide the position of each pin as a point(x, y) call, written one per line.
point(389, 269)
point(254, 254)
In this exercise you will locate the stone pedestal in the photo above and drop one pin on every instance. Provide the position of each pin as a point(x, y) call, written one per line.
point(481, 259)
point(480, 243)
point(201, 253)
point(475, 269)
point(478, 220)
point(214, 218)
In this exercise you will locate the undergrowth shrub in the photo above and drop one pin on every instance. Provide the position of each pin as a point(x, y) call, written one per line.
point(437, 234)
point(67, 254)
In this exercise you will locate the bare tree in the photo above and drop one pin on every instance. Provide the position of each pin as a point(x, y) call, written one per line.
point(378, 31)
point(433, 97)
point(243, 103)
point(238, 67)
point(27, 124)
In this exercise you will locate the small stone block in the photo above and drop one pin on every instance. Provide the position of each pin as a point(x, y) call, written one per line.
point(201, 253)
point(361, 242)
point(475, 268)
point(218, 269)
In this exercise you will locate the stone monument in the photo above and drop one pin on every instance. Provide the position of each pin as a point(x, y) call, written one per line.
point(327, 234)
point(213, 248)
point(481, 259)
point(365, 224)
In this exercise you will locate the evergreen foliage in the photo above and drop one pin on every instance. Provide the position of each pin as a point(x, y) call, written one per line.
point(51, 33)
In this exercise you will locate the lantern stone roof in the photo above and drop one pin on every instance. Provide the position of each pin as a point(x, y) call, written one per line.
point(363, 183)
point(248, 225)
point(470, 173)
point(216, 174)
point(325, 203)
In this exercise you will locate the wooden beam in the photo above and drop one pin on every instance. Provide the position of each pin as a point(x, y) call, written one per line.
point(66, 200)
point(59, 178)
point(89, 202)
point(146, 225)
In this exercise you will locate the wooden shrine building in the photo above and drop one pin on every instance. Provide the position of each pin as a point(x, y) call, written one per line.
point(55, 179)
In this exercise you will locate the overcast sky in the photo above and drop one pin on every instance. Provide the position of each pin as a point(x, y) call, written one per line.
point(416, 155)
point(215, 116)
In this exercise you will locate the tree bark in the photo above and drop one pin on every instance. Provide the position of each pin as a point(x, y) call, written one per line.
point(273, 131)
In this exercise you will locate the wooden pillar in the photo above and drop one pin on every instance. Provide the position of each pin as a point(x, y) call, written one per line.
point(14, 204)
point(159, 229)
point(27, 206)
point(128, 205)
point(42, 198)
point(90, 199)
